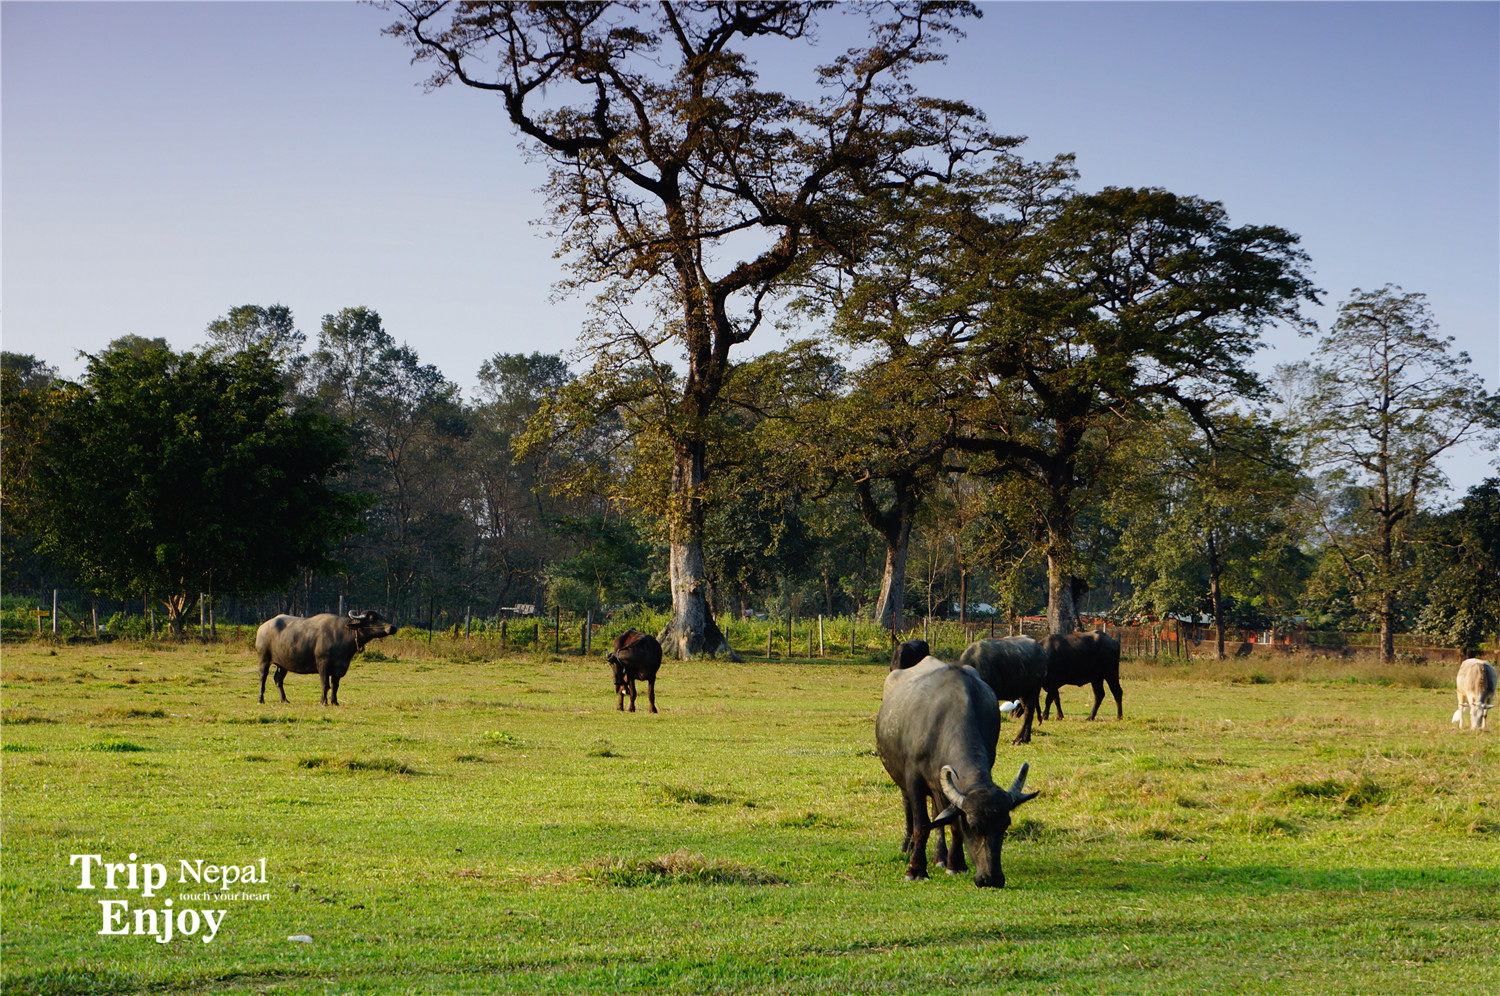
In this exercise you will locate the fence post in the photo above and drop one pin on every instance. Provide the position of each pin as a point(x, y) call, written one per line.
point(536, 636)
point(557, 629)
point(504, 625)
point(54, 614)
point(202, 617)
point(821, 652)
point(341, 606)
point(770, 632)
point(468, 619)
point(853, 622)
point(94, 608)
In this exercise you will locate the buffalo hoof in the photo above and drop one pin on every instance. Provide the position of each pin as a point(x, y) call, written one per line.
point(915, 878)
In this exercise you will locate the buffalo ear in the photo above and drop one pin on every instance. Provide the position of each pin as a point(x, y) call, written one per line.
point(944, 818)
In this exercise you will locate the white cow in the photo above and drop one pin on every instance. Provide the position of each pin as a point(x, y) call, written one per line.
point(1476, 692)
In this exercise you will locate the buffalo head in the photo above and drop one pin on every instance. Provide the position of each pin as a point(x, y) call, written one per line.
point(369, 626)
point(983, 815)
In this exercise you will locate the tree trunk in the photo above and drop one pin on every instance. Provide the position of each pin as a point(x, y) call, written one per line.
point(1062, 610)
point(1387, 627)
point(894, 526)
point(1215, 569)
point(890, 614)
point(692, 631)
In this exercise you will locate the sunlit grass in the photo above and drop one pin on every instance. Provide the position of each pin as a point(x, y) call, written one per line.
point(484, 825)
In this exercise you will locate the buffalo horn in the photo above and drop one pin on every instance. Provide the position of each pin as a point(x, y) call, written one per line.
point(1016, 795)
point(949, 780)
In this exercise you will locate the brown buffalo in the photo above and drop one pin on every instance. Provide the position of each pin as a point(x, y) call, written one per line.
point(636, 657)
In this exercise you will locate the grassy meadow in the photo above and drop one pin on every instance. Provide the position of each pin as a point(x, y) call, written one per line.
point(463, 824)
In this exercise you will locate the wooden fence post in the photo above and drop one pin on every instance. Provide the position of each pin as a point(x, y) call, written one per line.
point(94, 607)
point(54, 614)
point(770, 632)
point(504, 624)
point(821, 651)
point(853, 622)
point(468, 619)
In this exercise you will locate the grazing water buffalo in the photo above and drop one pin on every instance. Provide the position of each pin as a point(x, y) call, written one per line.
point(1014, 668)
point(1082, 659)
point(1476, 692)
point(322, 644)
point(936, 733)
point(908, 654)
point(636, 657)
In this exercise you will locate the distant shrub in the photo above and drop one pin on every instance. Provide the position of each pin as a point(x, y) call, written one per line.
point(115, 747)
point(676, 868)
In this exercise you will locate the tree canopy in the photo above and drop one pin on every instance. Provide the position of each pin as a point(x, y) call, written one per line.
point(168, 474)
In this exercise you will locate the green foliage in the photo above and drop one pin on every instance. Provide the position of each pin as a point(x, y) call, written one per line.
point(173, 474)
point(611, 566)
point(1462, 556)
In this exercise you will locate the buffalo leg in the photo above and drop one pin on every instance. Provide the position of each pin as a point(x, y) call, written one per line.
point(1098, 696)
point(621, 690)
point(1114, 689)
point(1054, 697)
point(916, 806)
point(956, 863)
point(1032, 707)
point(323, 674)
point(651, 692)
point(631, 686)
point(265, 669)
point(280, 678)
point(940, 850)
point(906, 838)
point(333, 687)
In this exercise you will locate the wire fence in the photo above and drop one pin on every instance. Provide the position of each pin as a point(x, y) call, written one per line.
point(71, 614)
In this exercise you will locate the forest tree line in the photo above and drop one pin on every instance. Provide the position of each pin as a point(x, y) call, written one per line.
point(495, 501)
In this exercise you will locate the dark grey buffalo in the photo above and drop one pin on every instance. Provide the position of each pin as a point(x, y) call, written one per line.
point(910, 653)
point(322, 645)
point(936, 734)
point(1082, 659)
point(636, 657)
point(1014, 668)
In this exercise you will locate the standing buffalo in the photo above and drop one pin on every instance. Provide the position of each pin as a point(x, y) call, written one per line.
point(636, 657)
point(322, 644)
point(1082, 659)
point(1014, 668)
point(909, 654)
point(936, 734)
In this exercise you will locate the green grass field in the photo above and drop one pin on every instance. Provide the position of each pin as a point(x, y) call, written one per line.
point(467, 825)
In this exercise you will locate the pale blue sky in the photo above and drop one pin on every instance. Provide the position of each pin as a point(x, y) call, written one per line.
point(163, 162)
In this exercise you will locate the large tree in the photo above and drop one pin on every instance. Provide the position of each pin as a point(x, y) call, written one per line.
point(679, 184)
point(1377, 409)
point(1206, 524)
point(1089, 317)
point(1463, 556)
point(173, 474)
